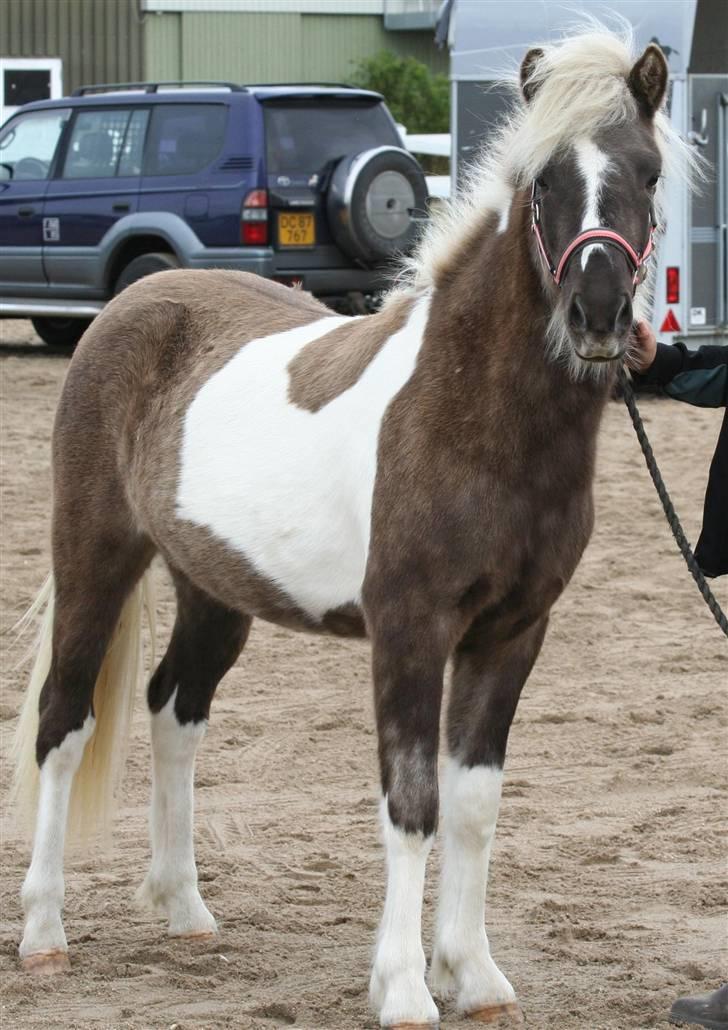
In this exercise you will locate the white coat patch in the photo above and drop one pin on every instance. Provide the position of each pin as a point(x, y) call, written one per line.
point(290, 489)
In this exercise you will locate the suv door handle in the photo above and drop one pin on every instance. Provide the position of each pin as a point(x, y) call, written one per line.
point(25, 211)
point(120, 206)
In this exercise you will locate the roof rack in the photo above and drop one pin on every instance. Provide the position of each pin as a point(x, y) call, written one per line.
point(304, 85)
point(152, 87)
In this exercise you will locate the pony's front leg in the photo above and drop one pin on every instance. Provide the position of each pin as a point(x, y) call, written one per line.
point(462, 964)
point(487, 682)
point(408, 674)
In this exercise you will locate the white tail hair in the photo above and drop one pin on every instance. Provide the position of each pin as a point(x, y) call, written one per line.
point(98, 777)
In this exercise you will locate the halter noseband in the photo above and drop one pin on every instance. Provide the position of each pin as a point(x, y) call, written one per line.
point(636, 258)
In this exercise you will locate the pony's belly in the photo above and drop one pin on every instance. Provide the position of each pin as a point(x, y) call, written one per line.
point(282, 561)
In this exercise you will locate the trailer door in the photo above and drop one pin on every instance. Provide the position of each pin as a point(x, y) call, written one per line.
point(708, 296)
point(722, 176)
point(478, 107)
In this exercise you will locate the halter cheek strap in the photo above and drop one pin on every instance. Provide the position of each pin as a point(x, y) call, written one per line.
point(637, 259)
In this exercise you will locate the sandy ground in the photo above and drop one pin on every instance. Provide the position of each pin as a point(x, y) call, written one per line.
point(608, 887)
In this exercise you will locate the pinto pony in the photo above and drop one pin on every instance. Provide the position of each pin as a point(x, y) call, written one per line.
point(421, 476)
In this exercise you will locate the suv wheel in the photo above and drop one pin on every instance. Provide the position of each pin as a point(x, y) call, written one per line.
point(376, 201)
point(61, 332)
point(145, 264)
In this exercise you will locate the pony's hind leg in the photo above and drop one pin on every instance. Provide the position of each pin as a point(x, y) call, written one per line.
point(487, 680)
point(408, 666)
point(43, 947)
point(206, 640)
point(90, 593)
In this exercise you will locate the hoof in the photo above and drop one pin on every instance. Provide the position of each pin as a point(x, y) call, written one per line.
point(413, 1026)
point(494, 1013)
point(43, 962)
point(194, 935)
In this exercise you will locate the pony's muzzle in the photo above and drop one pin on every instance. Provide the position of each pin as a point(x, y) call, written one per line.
point(602, 316)
point(599, 320)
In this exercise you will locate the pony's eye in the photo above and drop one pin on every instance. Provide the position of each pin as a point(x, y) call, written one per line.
point(652, 182)
point(542, 184)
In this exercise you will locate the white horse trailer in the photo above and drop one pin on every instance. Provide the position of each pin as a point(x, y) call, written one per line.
point(487, 41)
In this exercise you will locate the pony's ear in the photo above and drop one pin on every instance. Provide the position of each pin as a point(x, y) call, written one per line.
point(648, 79)
point(527, 68)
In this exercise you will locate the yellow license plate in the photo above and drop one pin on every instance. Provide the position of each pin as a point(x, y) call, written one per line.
point(296, 230)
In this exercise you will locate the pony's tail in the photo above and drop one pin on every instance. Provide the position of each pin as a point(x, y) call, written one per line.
point(97, 779)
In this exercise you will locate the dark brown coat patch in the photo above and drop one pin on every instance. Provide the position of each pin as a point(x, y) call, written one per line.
point(332, 364)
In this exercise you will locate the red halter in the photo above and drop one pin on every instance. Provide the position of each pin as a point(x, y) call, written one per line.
point(636, 258)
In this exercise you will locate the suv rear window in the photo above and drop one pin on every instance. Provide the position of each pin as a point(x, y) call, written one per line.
point(302, 137)
point(184, 138)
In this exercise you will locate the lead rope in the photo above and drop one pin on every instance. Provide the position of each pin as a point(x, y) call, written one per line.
point(670, 514)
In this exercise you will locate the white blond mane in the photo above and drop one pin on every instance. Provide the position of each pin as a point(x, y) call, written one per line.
point(581, 88)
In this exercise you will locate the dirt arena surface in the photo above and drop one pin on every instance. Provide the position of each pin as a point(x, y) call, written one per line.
point(608, 888)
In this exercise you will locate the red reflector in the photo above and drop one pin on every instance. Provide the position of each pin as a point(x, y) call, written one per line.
point(673, 285)
point(254, 219)
point(254, 233)
point(671, 324)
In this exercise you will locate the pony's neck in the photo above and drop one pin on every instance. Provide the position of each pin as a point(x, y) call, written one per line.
point(489, 319)
point(490, 307)
point(492, 285)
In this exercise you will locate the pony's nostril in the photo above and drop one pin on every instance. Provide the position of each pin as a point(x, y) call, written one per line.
point(577, 316)
point(623, 321)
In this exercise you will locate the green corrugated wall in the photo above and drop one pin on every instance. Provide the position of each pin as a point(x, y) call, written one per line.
point(332, 45)
point(112, 41)
point(274, 47)
point(244, 48)
point(163, 47)
point(98, 40)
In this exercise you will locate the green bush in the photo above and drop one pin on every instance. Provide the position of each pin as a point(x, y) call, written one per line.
point(417, 98)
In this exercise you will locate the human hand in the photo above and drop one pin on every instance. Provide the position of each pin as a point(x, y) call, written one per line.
point(642, 347)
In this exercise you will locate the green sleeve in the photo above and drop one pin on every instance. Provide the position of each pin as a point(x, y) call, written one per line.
point(706, 387)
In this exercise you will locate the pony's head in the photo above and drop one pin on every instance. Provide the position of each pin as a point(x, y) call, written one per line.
point(593, 197)
point(585, 144)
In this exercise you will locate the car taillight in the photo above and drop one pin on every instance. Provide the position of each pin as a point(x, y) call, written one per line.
point(254, 219)
point(673, 285)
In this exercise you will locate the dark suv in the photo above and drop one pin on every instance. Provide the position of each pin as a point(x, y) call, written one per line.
point(303, 184)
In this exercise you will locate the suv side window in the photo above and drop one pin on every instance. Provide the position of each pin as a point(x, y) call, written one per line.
point(184, 138)
point(29, 142)
point(96, 143)
point(132, 150)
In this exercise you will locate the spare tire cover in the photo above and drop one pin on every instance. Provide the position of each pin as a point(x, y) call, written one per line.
point(377, 199)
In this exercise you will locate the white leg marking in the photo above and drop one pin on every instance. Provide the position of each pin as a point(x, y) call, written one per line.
point(171, 884)
point(43, 889)
point(461, 962)
point(593, 163)
point(397, 989)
